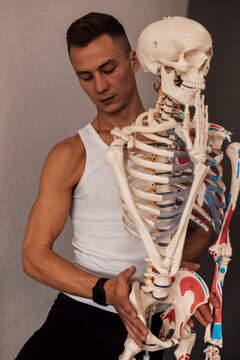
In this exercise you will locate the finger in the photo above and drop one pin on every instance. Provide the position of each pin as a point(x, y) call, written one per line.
point(213, 300)
point(191, 323)
point(206, 313)
point(128, 313)
point(200, 318)
point(139, 329)
point(190, 265)
point(136, 325)
point(129, 272)
point(125, 276)
point(134, 336)
point(127, 309)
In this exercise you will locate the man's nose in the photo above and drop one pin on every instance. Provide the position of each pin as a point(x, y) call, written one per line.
point(101, 84)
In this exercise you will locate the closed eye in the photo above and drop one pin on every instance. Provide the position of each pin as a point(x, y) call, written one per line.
point(108, 69)
point(85, 77)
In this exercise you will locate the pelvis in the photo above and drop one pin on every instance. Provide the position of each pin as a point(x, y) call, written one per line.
point(187, 292)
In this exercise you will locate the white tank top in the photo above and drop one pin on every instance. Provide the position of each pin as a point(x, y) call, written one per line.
point(101, 244)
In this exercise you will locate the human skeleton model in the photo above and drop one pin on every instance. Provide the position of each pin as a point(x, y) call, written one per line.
point(167, 165)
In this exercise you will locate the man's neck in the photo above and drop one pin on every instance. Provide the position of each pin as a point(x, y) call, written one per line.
point(105, 122)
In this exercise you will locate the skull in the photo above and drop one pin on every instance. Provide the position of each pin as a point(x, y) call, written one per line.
point(179, 50)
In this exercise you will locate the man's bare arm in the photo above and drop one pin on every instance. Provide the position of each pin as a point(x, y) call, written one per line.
point(61, 172)
point(196, 243)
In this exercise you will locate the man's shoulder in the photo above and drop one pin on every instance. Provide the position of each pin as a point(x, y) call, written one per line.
point(66, 159)
point(71, 147)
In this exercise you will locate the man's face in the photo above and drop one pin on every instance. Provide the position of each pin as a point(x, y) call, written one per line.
point(106, 73)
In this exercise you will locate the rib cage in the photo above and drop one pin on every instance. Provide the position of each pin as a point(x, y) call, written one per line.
point(159, 173)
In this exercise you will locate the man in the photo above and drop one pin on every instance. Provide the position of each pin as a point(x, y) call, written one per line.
point(76, 179)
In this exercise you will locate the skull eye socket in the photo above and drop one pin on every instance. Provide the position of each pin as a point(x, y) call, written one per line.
point(205, 67)
point(209, 53)
point(192, 56)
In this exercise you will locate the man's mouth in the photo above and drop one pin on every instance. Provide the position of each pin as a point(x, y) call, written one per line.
point(107, 100)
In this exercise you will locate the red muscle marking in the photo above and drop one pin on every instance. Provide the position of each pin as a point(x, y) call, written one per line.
point(180, 330)
point(218, 315)
point(171, 316)
point(184, 357)
point(183, 161)
point(223, 239)
point(218, 311)
point(157, 87)
point(214, 126)
point(189, 283)
point(213, 289)
point(218, 292)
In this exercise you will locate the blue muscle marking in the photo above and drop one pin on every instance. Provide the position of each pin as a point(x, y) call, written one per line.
point(238, 170)
point(205, 289)
point(230, 196)
point(212, 187)
point(214, 177)
point(221, 284)
point(212, 163)
point(217, 332)
point(214, 204)
point(208, 198)
point(218, 261)
point(222, 270)
point(198, 224)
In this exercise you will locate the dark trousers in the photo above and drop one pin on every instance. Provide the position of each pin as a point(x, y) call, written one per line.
point(75, 331)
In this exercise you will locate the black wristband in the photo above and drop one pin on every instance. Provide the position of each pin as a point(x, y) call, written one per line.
point(98, 292)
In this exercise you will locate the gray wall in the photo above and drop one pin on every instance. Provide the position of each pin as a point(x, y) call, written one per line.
point(41, 104)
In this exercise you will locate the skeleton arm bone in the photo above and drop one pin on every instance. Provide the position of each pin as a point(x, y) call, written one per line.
point(222, 249)
point(175, 248)
point(197, 153)
point(114, 157)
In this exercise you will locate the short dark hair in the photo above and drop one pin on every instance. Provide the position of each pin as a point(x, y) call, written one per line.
point(91, 26)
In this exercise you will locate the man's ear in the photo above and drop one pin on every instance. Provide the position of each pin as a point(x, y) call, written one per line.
point(134, 60)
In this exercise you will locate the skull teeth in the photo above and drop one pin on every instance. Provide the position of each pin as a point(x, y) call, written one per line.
point(193, 85)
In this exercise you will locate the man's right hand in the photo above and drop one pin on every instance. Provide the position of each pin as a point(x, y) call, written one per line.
point(117, 294)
